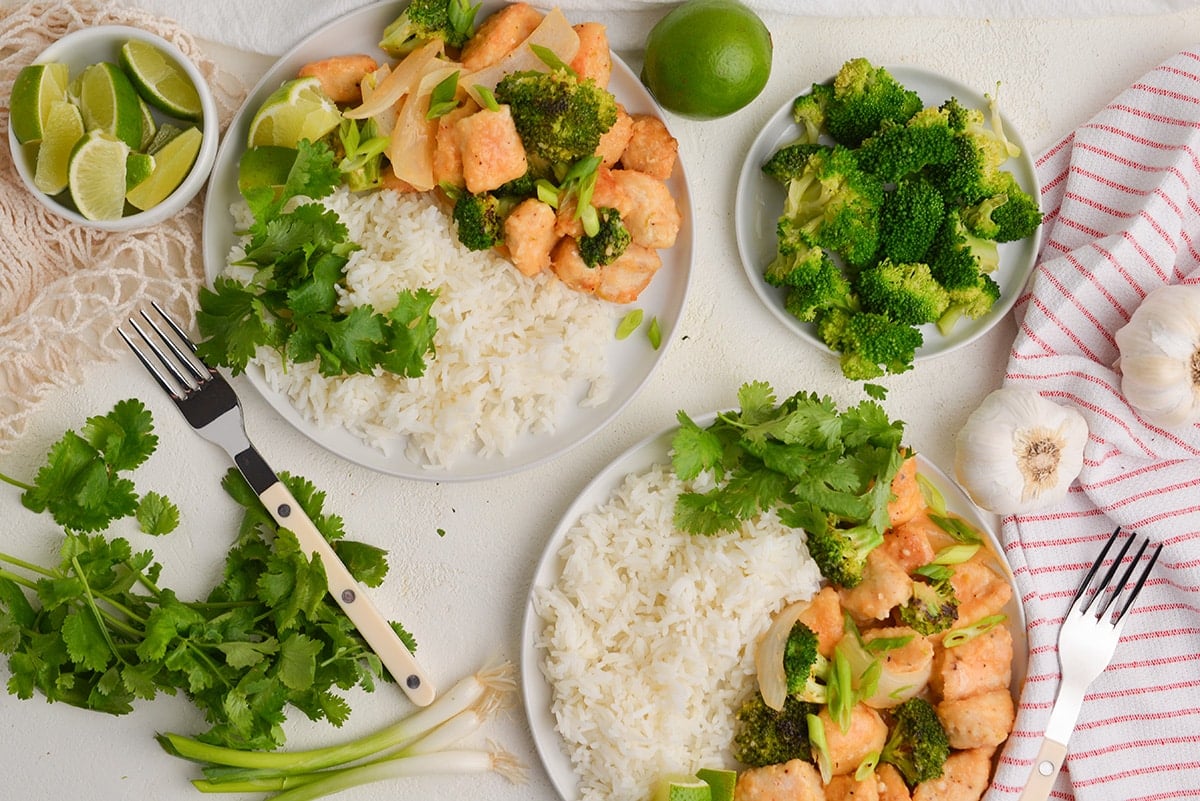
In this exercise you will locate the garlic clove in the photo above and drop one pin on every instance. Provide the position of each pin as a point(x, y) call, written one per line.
point(1160, 356)
point(1019, 452)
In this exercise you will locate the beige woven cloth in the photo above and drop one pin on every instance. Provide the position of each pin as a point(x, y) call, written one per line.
point(63, 287)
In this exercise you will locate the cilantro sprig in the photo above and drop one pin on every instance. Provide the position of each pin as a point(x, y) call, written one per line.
point(817, 466)
point(299, 250)
point(98, 630)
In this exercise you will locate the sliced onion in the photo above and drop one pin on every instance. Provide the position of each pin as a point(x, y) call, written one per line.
point(768, 657)
point(399, 82)
point(908, 673)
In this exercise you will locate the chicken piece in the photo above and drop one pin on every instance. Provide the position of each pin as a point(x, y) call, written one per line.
point(980, 721)
point(491, 149)
point(447, 152)
point(847, 788)
point(624, 278)
point(796, 780)
point(529, 235)
point(593, 59)
point(824, 616)
point(964, 778)
point(981, 664)
point(568, 265)
point(891, 784)
point(908, 543)
point(499, 35)
point(884, 586)
point(613, 142)
point(981, 587)
point(847, 749)
point(607, 193)
point(340, 76)
point(651, 148)
point(649, 211)
point(907, 501)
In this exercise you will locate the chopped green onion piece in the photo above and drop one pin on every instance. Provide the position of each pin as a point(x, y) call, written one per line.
point(443, 98)
point(820, 747)
point(547, 192)
point(957, 637)
point(934, 572)
point(933, 496)
point(881, 644)
point(590, 219)
point(654, 333)
point(489, 99)
point(841, 690)
point(957, 528)
point(551, 59)
point(629, 323)
point(866, 767)
point(955, 554)
point(462, 16)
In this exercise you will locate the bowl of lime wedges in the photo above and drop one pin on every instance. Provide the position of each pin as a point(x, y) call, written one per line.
point(112, 127)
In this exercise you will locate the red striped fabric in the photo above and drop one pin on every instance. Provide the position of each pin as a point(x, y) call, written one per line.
point(1122, 201)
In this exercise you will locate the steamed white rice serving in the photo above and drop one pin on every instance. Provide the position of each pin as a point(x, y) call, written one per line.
point(647, 638)
point(511, 352)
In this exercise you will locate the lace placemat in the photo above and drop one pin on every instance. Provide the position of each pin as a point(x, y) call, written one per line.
point(63, 287)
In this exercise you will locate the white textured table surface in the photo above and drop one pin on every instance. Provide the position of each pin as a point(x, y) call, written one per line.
point(463, 594)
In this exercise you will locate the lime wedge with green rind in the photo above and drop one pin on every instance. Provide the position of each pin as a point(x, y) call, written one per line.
point(96, 175)
point(172, 162)
point(299, 109)
point(681, 788)
point(35, 89)
point(110, 103)
point(721, 780)
point(264, 166)
point(160, 80)
point(61, 130)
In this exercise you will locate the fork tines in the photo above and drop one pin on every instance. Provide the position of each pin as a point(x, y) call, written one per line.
point(1118, 595)
point(174, 352)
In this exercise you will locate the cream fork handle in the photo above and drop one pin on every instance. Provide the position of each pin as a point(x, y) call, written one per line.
point(357, 605)
point(1046, 766)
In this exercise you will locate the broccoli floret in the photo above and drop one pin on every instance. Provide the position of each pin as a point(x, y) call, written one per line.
point(814, 290)
point(809, 111)
point(452, 21)
point(909, 220)
point(841, 553)
point(896, 151)
point(972, 301)
point(559, 117)
point(957, 257)
point(917, 746)
point(766, 736)
point(806, 669)
point(1007, 216)
point(788, 162)
point(480, 220)
point(932, 608)
point(974, 171)
point(904, 292)
point(863, 97)
point(870, 344)
point(608, 243)
point(835, 205)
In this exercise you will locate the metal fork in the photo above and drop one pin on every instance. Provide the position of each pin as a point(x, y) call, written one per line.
point(1086, 643)
point(211, 407)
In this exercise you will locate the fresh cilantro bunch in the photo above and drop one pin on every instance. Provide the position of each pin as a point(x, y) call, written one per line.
point(826, 471)
point(99, 631)
point(299, 251)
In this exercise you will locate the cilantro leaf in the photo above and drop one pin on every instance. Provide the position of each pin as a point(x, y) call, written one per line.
point(156, 514)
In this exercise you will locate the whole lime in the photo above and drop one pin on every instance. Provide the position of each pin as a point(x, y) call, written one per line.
point(707, 58)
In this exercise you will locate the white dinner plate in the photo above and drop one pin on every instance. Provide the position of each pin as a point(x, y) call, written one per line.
point(641, 457)
point(631, 362)
point(759, 202)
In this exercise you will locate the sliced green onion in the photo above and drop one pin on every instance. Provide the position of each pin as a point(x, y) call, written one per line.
point(866, 767)
point(933, 496)
point(820, 747)
point(957, 637)
point(552, 60)
point(629, 323)
point(955, 554)
point(489, 99)
point(654, 333)
point(956, 527)
point(443, 98)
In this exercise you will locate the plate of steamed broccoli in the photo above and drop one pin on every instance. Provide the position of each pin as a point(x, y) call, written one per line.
point(888, 215)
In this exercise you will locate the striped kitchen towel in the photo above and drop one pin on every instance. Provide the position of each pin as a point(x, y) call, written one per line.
point(1122, 201)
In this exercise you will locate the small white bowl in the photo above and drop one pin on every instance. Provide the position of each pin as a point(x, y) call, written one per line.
point(89, 46)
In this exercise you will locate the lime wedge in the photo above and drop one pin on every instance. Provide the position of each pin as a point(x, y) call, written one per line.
point(682, 788)
point(110, 103)
point(138, 168)
point(264, 166)
point(165, 133)
point(720, 780)
point(149, 124)
point(61, 130)
point(96, 176)
point(172, 162)
point(34, 90)
point(299, 109)
point(160, 80)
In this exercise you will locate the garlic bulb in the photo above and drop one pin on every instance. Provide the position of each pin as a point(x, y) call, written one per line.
point(1019, 452)
point(1160, 356)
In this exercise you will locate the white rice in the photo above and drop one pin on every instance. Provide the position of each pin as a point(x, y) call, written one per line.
point(647, 635)
point(511, 352)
